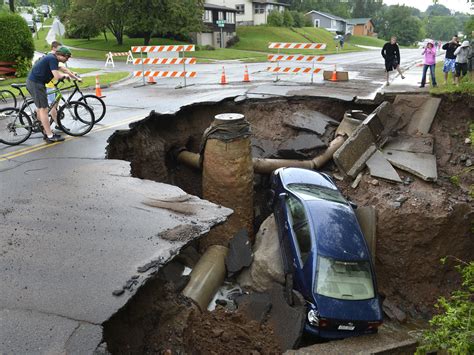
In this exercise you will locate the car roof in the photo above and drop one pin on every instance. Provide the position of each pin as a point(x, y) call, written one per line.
point(305, 176)
point(336, 230)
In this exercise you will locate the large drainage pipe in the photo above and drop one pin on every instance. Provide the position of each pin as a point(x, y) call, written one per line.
point(207, 276)
point(266, 166)
point(227, 177)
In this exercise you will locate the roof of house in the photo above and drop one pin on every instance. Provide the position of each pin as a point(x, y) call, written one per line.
point(273, 2)
point(358, 21)
point(218, 7)
point(328, 15)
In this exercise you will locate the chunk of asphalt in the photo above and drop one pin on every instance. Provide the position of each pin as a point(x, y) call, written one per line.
point(240, 253)
point(300, 145)
point(419, 164)
point(308, 120)
point(172, 271)
point(255, 306)
point(381, 168)
point(287, 322)
point(424, 144)
point(263, 148)
point(393, 312)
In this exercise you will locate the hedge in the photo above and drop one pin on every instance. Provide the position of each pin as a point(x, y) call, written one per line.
point(15, 38)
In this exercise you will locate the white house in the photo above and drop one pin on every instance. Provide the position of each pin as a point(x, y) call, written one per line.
point(251, 12)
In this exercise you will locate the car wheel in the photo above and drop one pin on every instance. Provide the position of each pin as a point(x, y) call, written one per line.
point(289, 289)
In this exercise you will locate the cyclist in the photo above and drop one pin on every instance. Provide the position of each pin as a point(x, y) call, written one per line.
point(42, 73)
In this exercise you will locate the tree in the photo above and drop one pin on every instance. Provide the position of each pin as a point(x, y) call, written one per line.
point(398, 21)
point(366, 8)
point(115, 13)
point(83, 21)
point(61, 7)
point(275, 18)
point(12, 5)
point(441, 27)
point(299, 19)
point(288, 20)
point(181, 18)
point(437, 10)
point(146, 17)
point(469, 27)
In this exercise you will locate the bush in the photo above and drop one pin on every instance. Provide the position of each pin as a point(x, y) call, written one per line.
point(15, 37)
point(234, 40)
point(22, 66)
point(275, 18)
point(288, 20)
point(299, 19)
point(208, 47)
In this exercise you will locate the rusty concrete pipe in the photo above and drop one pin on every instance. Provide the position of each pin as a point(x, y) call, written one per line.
point(207, 276)
point(190, 159)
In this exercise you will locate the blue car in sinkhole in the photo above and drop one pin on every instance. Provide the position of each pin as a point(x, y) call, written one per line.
point(325, 255)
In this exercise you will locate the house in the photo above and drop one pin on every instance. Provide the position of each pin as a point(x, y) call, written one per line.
point(215, 35)
point(360, 27)
point(252, 12)
point(328, 21)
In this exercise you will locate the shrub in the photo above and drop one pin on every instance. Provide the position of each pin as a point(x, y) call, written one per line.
point(16, 39)
point(208, 47)
point(299, 19)
point(288, 20)
point(275, 18)
point(22, 66)
point(234, 40)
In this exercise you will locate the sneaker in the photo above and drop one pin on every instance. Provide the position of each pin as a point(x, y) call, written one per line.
point(54, 138)
point(57, 128)
point(402, 77)
point(421, 86)
point(387, 84)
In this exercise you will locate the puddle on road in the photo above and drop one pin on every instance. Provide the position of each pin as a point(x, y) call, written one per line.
point(410, 239)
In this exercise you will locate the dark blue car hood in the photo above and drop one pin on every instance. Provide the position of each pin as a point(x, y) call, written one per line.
point(365, 310)
point(337, 231)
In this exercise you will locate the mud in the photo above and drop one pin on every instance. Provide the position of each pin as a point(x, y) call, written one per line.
point(418, 222)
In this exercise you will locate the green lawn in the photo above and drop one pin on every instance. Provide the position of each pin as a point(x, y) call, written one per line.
point(466, 85)
point(39, 38)
point(229, 54)
point(366, 41)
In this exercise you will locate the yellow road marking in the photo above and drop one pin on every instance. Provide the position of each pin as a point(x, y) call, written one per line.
point(36, 147)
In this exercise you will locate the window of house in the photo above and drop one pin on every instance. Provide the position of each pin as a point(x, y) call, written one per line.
point(229, 17)
point(259, 8)
point(240, 9)
point(207, 16)
point(270, 8)
point(317, 23)
point(220, 15)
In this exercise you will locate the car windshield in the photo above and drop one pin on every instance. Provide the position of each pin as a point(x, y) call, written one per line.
point(345, 280)
point(317, 191)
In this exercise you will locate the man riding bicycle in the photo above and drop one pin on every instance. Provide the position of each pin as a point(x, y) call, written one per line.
point(42, 73)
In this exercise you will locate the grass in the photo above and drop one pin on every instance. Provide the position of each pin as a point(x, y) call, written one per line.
point(229, 54)
point(466, 85)
point(39, 38)
point(366, 41)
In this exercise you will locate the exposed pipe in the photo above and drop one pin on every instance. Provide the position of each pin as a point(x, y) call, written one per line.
point(266, 166)
point(207, 276)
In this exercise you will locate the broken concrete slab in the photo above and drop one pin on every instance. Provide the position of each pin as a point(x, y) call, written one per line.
point(267, 266)
point(417, 112)
point(381, 168)
point(97, 233)
point(419, 164)
point(263, 148)
point(367, 218)
point(240, 253)
point(287, 322)
point(393, 312)
point(308, 120)
point(298, 146)
point(348, 125)
point(255, 306)
point(417, 144)
point(351, 157)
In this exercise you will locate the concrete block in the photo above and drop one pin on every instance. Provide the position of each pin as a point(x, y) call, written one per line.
point(417, 112)
point(351, 157)
point(419, 164)
point(299, 146)
point(340, 75)
point(347, 126)
point(375, 125)
point(411, 144)
point(308, 120)
point(367, 217)
point(381, 168)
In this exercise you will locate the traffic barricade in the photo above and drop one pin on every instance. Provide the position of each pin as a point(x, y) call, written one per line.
point(110, 57)
point(180, 60)
point(304, 59)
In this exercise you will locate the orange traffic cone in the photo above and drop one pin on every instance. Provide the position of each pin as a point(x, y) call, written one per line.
point(334, 74)
point(151, 80)
point(246, 76)
point(98, 91)
point(223, 78)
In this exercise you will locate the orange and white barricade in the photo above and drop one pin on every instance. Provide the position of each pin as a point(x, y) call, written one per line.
point(181, 49)
point(109, 57)
point(300, 58)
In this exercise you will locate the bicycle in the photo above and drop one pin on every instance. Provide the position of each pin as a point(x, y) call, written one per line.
point(7, 98)
point(96, 104)
point(73, 118)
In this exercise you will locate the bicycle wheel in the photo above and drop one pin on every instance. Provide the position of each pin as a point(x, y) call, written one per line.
point(7, 99)
point(75, 118)
point(15, 126)
point(96, 104)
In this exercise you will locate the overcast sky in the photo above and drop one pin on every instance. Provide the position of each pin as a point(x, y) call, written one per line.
point(456, 5)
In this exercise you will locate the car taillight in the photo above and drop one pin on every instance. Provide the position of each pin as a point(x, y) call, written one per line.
point(374, 325)
point(323, 322)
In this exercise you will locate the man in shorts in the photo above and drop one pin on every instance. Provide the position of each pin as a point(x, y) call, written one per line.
point(450, 58)
point(42, 73)
point(391, 54)
point(462, 53)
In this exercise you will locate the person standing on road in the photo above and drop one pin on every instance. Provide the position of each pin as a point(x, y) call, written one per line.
point(429, 61)
point(42, 73)
point(391, 54)
point(462, 54)
point(450, 58)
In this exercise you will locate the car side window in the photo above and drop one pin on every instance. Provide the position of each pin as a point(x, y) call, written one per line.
point(300, 226)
